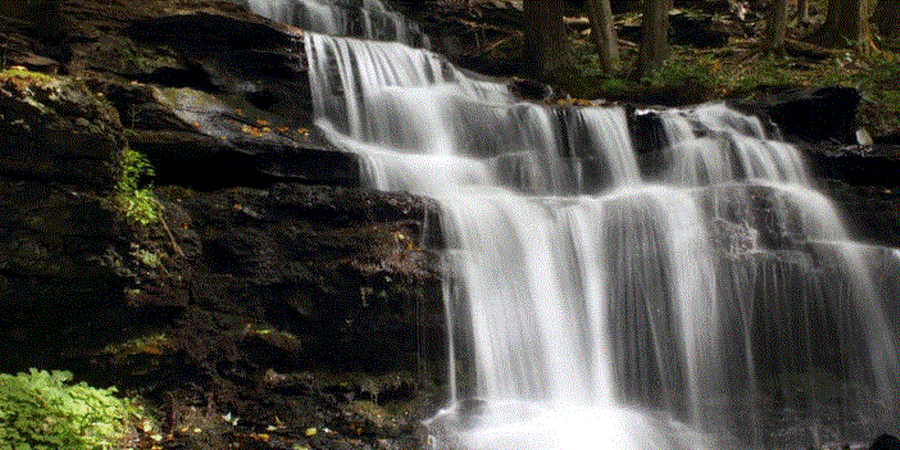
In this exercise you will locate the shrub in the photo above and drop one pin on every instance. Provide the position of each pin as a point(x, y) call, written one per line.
point(40, 410)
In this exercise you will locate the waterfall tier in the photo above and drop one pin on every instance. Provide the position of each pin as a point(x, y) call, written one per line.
point(367, 19)
point(597, 300)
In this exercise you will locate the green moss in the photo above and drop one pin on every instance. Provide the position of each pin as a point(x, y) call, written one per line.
point(41, 410)
point(148, 258)
point(23, 74)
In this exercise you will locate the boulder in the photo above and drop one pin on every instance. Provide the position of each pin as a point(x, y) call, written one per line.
point(885, 442)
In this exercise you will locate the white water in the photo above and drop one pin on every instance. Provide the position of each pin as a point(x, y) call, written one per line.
point(367, 19)
point(608, 309)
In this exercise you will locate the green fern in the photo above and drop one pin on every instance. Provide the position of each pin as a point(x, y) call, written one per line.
point(136, 203)
point(41, 410)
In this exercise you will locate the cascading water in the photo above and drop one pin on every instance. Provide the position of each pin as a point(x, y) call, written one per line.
point(367, 19)
point(597, 302)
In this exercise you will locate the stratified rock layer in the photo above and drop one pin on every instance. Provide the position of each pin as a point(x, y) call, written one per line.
point(272, 295)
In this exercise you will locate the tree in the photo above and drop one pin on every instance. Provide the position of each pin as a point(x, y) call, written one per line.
point(546, 45)
point(803, 11)
point(887, 18)
point(776, 25)
point(654, 37)
point(603, 33)
point(846, 25)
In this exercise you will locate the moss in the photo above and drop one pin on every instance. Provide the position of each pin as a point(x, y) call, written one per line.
point(20, 73)
point(146, 257)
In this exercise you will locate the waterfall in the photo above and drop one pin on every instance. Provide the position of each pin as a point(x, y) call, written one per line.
point(367, 19)
point(713, 302)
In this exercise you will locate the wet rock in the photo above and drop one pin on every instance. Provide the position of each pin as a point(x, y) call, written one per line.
point(529, 89)
point(885, 442)
point(251, 279)
point(647, 132)
point(857, 165)
point(224, 138)
point(752, 218)
point(809, 115)
point(485, 36)
point(870, 212)
point(259, 61)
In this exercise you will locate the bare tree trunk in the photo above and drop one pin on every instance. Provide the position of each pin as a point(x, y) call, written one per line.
point(776, 25)
point(546, 44)
point(887, 18)
point(846, 25)
point(654, 37)
point(803, 11)
point(603, 33)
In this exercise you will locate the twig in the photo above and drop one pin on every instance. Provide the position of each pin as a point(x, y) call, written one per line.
point(175, 245)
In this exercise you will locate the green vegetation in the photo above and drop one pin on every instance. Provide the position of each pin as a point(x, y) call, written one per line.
point(704, 69)
point(135, 202)
point(24, 74)
point(740, 68)
point(148, 258)
point(41, 410)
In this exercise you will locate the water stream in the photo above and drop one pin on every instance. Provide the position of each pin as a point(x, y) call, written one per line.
point(701, 295)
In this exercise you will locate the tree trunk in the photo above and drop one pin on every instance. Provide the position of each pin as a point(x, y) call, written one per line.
point(803, 11)
point(776, 25)
point(654, 37)
point(846, 25)
point(603, 33)
point(887, 18)
point(546, 43)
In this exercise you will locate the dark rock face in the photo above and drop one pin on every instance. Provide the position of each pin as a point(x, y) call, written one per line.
point(60, 243)
point(55, 130)
point(272, 290)
point(342, 270)
point(310, 307)
point(863, 166)
point(810, 116)
point(485, 37)
point(59, 248)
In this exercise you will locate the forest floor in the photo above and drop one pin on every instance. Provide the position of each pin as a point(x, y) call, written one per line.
point(717, 56)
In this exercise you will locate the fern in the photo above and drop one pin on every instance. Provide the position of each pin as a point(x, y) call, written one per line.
point(41, 410)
